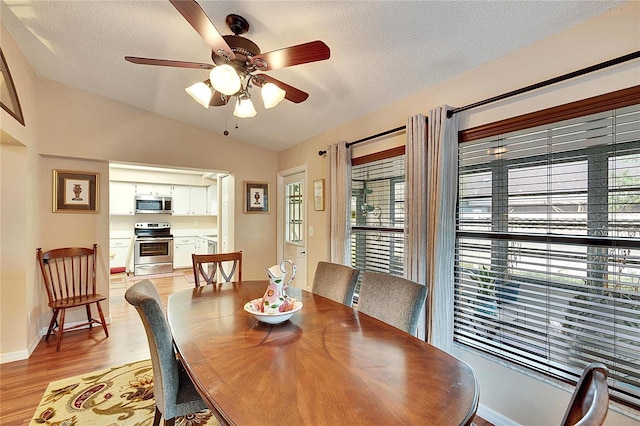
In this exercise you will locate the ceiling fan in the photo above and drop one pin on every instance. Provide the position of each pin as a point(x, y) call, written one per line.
point(238, 62)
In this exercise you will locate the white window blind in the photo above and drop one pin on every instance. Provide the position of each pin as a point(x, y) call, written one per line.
point(548, 247)
point(377, 216)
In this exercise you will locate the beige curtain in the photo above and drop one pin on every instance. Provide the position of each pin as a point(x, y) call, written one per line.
point(415, 201)
point(340, 202)
point(442, 184)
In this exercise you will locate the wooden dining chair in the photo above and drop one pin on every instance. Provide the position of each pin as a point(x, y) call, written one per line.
point(589, 403)
point(173, 390)
point(207, 266)
point(70, 280)
point(392, 299)
point(336, 282)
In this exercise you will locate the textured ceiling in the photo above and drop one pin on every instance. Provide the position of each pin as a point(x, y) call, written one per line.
point(381, 51)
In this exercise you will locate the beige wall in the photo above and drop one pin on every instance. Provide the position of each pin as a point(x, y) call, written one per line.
point(608, 36)
point(19, 210)
point(92, 127)
point(72, 129)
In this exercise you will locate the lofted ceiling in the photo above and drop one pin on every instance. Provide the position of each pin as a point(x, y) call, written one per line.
point(381, 51)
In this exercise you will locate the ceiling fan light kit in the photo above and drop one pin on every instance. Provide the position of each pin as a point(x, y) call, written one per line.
point(237, 59)
point(225, 80)
point(201, 92)
point(272, 95)
point(244, 107)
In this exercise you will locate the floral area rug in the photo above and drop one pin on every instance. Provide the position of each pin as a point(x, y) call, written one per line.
point(121, 396)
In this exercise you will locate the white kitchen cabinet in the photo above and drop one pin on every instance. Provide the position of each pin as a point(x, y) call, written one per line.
point(121, 198)
point(198, 200)
point(201, 245)
point(119, 251)
point(212, 200)
point(180, 197)
point(189, 200)
point(183, 248)
point(153, 189)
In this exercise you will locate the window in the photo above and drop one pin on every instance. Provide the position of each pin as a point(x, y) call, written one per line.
point(293, 211)
point(377, 214)
point(548, 247)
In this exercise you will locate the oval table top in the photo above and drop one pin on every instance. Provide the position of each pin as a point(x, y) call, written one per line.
point(327, 365)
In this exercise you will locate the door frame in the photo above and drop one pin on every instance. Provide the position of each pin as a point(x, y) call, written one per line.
point(280, 207)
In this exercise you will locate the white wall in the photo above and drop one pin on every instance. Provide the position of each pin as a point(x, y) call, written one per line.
point(523, 399)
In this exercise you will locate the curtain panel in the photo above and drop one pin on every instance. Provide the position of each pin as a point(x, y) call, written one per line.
point(415, 201)
point(442, 184)
point(340, 205)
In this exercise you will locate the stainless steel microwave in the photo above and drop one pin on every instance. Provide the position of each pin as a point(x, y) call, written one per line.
point(153, 204)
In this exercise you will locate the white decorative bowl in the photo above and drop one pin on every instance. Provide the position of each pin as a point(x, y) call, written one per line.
point(271, 318)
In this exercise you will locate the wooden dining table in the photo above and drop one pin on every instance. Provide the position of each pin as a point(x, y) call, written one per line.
point(327, 365)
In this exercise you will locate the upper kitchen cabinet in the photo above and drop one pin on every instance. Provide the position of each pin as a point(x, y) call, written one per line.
point(121, 198)
point(189, 200)
point(212, 200)
point(152, 189)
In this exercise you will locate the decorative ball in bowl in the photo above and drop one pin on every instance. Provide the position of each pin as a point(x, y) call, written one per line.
point(273, 316)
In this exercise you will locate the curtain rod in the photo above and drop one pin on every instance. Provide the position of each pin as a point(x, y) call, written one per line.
point(551, 81)
point(368, 138)
point(451, 112)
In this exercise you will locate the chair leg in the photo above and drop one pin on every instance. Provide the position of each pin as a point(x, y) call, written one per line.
point(156, 417)
point(52, 324)
point(60, 329)
point(104, 323)
point(88, 308)
point(170, 422)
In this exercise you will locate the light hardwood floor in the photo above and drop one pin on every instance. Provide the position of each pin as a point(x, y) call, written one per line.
point(22, 383)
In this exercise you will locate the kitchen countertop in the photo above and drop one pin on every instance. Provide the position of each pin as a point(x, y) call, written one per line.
point(207, 234)
point(203, 233)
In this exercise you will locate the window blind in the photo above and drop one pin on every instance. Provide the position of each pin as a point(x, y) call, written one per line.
point(377, 216)
point(548, 247)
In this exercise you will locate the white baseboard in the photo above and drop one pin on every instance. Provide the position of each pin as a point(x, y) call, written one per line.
point(494, 417)
point(13, 356)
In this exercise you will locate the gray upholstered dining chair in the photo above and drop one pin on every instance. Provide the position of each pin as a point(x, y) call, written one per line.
point(392, 299)
point(336, 282)
point(589, 403)
point(173, 390)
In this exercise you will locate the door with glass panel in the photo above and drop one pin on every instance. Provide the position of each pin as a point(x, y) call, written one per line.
point(294, 226)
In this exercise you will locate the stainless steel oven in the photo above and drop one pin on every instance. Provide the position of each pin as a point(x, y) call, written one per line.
point(153, 253)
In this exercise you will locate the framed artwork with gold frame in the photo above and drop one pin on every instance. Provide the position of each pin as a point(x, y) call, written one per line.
point(75, 192)
point(8, 95)
point(256, 198)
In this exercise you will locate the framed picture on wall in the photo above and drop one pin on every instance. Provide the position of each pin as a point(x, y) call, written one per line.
point(318, 194)
point(75, 192)
point(256, 199)
point(8, 95)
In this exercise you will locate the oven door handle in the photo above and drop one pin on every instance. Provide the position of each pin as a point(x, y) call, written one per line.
point(152, 239)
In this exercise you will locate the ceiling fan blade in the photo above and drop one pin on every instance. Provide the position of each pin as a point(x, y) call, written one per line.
point(290, 56)
point(217, 100)
point(292, 94)
point(168, 63)
point(193, 13)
